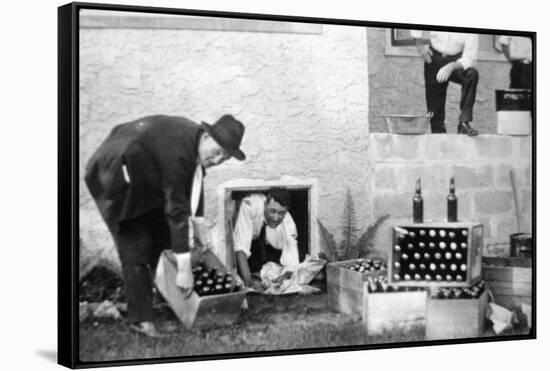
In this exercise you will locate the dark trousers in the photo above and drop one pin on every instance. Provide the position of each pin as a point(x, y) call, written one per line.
point(139, 243)
point(521, 75)
point(436, 93)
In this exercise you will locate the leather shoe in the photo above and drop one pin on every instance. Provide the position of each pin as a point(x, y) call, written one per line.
point(147, 328)
point(465, 128)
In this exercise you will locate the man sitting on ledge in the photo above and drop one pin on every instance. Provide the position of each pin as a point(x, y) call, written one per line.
point(264, 232)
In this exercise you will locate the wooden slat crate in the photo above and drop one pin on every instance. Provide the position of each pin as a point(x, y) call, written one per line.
point(345, 287)
point(455, 318)
point(390, 311)
point(197, 311)
point(436, 254)
point(510, 280)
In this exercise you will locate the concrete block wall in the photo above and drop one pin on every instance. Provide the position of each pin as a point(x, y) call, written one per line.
point(481, 167)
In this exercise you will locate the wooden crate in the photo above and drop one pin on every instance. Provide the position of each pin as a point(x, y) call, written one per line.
point(197, 311)
point(455, 318)
point(345, 287)
point(391, 311)
point(414, 240)
point(510, 280)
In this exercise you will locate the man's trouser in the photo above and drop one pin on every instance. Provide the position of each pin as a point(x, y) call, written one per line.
point(436, 93)
point(139, 243)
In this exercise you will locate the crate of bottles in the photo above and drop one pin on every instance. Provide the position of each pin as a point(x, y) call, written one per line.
point(436, 254)
point(217, 297)
point(389, 308)
point(456, 312)
point(345, 282)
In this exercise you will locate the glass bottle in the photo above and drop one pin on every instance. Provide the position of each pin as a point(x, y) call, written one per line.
point(418, 204)
point(452, 204)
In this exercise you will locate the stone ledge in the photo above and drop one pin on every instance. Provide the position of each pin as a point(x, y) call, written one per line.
point(449, 147)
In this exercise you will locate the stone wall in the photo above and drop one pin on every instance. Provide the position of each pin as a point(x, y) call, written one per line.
point(303, 99)
point(396, 86)
point(481, 167)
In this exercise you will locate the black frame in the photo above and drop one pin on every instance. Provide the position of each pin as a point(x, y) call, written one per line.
point(68, 152)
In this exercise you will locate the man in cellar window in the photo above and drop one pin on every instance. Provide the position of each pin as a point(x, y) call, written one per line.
point(264, 232)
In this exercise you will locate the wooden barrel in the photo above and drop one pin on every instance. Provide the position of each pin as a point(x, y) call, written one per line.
point(510, 280)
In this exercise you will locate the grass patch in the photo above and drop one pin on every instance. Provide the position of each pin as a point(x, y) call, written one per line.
point(290, 322)
point(271, 323)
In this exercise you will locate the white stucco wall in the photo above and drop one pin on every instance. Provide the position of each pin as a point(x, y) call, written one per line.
point(303, 99)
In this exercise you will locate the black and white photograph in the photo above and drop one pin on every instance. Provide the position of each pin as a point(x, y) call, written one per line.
point(249, 185)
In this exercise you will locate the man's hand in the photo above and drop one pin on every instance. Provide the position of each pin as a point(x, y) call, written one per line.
point(256, 285)
point(184, 277)
point(445, 72)
point(427, 53)
point(282, 277)
point(424, 51)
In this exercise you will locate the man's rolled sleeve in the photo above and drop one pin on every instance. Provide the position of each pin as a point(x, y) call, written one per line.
point(289, 256)
point(469, 53)
point(243, 231)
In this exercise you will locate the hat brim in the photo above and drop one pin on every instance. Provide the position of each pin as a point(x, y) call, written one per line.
point(233, 152)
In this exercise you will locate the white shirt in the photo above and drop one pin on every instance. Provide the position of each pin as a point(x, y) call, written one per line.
point(452, 43)
point(249, 224)
point(196, 192)
point(520, 47)
point(196, 189)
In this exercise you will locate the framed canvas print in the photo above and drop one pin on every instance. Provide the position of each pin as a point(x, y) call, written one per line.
point(242, 185)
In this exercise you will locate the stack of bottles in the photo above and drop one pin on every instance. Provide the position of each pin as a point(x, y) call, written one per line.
point(431, 254)
point(211, 282)
point(472, 292)
point(380, 284)
point(366, 265)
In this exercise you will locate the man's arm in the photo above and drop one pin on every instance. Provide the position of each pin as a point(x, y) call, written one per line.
point(173, 148)
point(506, 52)
point(243, 268)
point(289, 256)
point(424, 50)
point(469, 51)
point(467, 60)
point(504, 42)
point(242, 239)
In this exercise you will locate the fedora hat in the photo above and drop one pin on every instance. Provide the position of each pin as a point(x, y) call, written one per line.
point(228, 133)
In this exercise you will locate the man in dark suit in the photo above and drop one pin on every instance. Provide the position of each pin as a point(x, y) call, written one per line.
point(146, 179)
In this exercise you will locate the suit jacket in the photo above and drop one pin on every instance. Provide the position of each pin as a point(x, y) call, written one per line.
point(160, 154)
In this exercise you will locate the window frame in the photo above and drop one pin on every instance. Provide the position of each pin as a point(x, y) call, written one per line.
point(408, 49)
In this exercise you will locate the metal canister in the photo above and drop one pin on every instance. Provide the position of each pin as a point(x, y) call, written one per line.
point(521, 245)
